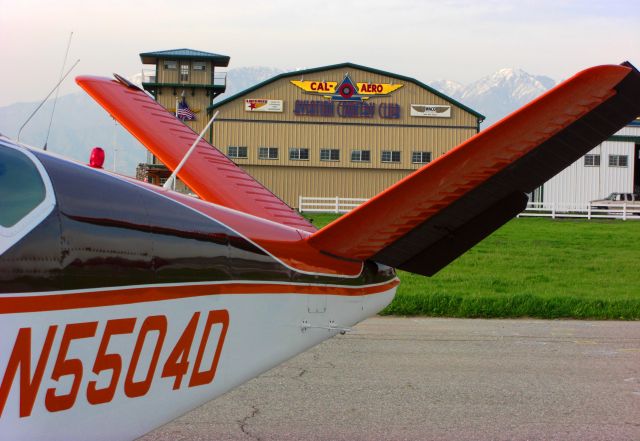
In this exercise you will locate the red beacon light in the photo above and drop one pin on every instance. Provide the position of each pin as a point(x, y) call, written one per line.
point(96, 160)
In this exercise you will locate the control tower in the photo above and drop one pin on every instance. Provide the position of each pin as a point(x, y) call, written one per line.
point(185, 82)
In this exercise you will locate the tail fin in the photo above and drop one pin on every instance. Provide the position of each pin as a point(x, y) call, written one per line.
point(428, 219)
point(207, 172)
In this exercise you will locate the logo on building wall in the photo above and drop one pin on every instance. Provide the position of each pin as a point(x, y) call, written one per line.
point(261, 105)
point(346, 90)
point(431, 110)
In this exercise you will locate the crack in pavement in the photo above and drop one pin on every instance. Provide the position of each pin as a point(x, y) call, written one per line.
point(244, 422)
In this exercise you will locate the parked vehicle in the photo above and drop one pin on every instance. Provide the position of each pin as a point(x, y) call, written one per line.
point(617, 201)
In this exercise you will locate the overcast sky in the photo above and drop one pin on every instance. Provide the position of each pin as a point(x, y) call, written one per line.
point(461, 40)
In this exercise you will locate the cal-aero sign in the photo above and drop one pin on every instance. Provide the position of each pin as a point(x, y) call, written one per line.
point(346, 90)
point(346, 99)
point(262, 105)
point(431, 110)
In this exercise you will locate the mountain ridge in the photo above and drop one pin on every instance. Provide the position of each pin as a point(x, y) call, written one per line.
point(498, 94)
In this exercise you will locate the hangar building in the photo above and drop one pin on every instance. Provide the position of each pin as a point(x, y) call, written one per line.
point(350, 131)
point(342, 130)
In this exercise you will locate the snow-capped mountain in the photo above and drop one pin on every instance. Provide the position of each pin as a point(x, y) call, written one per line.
point(242, 78)
point(498, 94)
point(448, 87)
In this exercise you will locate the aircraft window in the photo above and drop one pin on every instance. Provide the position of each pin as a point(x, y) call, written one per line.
point(21, 187)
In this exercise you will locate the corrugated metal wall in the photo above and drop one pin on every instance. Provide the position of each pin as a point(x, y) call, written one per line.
point(289, 183)
point(345, 138)
point(578, 184)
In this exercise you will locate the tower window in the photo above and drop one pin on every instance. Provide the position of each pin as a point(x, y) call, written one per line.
point(184, 72)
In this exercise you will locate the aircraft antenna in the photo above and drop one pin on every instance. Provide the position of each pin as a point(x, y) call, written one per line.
point(113, 144)
point(47, 97)
point(55, 99)
point(171, 182)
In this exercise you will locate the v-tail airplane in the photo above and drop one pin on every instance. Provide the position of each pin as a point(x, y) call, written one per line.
point(124, 305)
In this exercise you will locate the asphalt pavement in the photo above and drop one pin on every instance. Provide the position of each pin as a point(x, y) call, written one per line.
point(440, 379)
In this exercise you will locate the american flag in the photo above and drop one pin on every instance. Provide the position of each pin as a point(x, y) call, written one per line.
point(184, 112)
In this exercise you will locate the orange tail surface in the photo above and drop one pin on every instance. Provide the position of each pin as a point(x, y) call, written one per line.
point(428, 219)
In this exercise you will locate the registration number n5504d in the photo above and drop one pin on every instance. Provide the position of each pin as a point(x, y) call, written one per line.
point(191, 362)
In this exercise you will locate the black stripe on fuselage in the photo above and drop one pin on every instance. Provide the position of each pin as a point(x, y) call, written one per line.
point(108, 232)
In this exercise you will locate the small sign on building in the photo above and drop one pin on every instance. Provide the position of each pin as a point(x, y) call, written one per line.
point(261, 105)
point(431, 110)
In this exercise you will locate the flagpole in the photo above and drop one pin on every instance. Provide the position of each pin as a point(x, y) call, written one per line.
point(176, 106)
point(170, 184)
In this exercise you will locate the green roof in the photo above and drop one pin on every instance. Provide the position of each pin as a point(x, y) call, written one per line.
point(191, 54)
point(348, 65)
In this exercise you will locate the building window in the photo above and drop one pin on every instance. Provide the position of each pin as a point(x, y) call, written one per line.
point(298, 154)
point(168, 64)
point(184, 72)
point(592, 160)
point(163, 181)
point(236, 152)
point(268, 153)
point(618, 160)
point(420, 157)
point(329, 154)
point(390, 156)
point(199, 65)
point(360, 155)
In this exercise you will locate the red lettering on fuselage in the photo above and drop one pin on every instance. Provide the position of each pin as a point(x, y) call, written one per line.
point(106, 361)
point(21, 357)
point(152, 334)
point(64, 366)
point(198, 377)
point(158, 324)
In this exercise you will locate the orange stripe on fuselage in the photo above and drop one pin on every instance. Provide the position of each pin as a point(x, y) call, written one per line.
point(125, 296)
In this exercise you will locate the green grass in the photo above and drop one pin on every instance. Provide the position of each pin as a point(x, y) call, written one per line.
point(533, 268)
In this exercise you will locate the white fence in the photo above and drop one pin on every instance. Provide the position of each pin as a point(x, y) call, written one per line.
point(328, 205)
point(557, 210)
point(534, 209)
